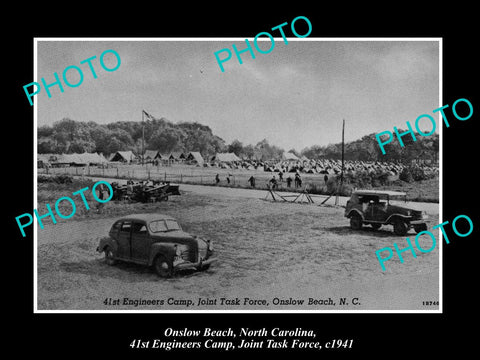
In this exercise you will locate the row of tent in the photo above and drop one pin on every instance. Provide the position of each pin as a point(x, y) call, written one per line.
point(191, 157)
point(70, 159)
point(120, 156)
point(152, 156)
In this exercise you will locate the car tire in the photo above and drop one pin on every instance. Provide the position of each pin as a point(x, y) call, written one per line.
point(356, 222)
point(109, 256)
point(376, 226)
point(163, 267)
point(420, 227)
point(400, 227)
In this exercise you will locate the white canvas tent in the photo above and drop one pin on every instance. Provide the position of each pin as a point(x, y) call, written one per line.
point(123, 156)
point(290, 156)
point(195, 157)
point(225, 157)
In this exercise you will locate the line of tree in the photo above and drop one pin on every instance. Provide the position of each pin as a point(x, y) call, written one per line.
point(70, 136)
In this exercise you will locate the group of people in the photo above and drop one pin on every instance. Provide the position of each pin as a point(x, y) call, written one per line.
point(273, 183)
point(217, 179)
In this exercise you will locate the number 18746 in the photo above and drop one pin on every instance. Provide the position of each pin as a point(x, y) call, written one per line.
point(429, 303)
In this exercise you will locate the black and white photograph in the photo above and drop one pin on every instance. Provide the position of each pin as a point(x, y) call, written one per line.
point(219, 177)
point(217, 180)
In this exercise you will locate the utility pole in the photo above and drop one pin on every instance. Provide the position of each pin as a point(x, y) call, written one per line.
point(339, 188)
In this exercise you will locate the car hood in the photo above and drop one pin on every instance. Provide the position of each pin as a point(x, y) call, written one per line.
point(405, 210)
point(174, 235)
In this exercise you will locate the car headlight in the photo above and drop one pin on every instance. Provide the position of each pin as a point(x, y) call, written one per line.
point(180, 250)
point(210, 245)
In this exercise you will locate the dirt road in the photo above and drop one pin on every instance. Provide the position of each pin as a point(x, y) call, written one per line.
point(274, 252)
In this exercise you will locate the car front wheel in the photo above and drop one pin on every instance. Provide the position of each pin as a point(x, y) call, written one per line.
point(356, 222)
point(163, 267)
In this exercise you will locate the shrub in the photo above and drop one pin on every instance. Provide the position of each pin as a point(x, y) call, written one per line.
point(58, 179)
point(413, 173)
point(418, 173)
point(406, 175)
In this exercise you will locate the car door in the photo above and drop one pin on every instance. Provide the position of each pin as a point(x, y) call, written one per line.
point(124, 240)
point(380, 211)
point(140, 243)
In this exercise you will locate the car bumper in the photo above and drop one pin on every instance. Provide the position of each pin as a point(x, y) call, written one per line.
point(189, 265)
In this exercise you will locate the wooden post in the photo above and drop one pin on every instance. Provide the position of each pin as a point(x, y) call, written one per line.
point(117, 172)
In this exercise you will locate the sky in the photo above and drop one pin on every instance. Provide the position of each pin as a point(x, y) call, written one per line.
point(295, 96)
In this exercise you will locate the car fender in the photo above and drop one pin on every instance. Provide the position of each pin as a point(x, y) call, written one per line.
point(392, 217)
point(355, 211)
point(167, 249)
point(107, 241)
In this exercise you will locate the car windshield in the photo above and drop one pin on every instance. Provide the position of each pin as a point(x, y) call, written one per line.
point(172, 225)
point(163, 225)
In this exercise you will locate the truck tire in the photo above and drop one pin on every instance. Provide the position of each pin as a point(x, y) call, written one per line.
point(376, 226)
point(399, 227)
point(420, 227)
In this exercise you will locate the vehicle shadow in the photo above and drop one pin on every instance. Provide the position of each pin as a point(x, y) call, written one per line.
point(364, 231)
point(128, 272)
point(124, 271)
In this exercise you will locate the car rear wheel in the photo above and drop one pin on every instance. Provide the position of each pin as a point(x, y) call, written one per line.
point(163, 267)
point(203, 267)
point(356, 222)
point(400, 227)
point(109, 256)
point(376, 226)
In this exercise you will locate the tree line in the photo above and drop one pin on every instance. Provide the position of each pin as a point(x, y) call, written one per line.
point(70, 136)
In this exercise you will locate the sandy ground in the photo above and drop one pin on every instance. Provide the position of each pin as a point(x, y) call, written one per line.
point(266, 250)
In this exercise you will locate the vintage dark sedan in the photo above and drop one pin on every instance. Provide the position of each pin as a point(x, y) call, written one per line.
point(156, 240)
